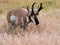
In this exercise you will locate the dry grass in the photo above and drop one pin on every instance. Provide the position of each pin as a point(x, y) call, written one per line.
point(30, 39)
point(46, 33)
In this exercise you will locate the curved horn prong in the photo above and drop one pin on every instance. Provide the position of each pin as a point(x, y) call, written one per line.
point(33, 7)
point(40, 7)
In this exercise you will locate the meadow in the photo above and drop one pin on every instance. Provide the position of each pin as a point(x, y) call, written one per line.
point(46, 33)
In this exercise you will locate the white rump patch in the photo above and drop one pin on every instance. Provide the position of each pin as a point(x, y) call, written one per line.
point(13, 18)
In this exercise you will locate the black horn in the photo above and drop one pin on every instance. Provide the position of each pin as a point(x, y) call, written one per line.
point(40, 7)
point(33, 8)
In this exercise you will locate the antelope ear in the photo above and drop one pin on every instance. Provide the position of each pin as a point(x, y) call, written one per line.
point(28, 9)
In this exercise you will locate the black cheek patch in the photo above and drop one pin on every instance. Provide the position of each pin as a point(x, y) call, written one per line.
point(36, 20)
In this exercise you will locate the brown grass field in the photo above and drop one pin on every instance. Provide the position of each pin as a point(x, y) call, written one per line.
point(46, 33)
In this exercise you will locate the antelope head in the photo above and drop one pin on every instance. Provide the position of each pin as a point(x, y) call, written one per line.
point(33, 13)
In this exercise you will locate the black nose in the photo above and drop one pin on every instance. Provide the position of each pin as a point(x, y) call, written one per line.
point(36, 20)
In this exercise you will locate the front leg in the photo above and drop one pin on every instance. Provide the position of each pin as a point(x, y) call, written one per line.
point(23, 23)
point(11, 27)
point(23, 26)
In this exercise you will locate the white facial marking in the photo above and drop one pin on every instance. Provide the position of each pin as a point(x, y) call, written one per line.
point(33, 20)
point(35, 11)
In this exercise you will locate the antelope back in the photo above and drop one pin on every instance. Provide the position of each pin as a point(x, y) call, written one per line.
point(20, 12)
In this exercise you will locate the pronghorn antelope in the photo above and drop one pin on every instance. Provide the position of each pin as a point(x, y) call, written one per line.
point(22, 17)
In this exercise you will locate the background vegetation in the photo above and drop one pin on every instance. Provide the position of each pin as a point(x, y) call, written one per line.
point(6, 5)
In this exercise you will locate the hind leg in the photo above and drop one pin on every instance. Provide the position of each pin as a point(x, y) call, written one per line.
point(11, 27)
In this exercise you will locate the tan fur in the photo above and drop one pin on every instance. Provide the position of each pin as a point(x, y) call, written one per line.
point(20, 12)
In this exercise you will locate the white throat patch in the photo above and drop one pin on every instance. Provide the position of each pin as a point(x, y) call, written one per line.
point(27, 18)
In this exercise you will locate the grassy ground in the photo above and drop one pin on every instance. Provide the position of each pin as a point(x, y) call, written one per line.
point(46, 33)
